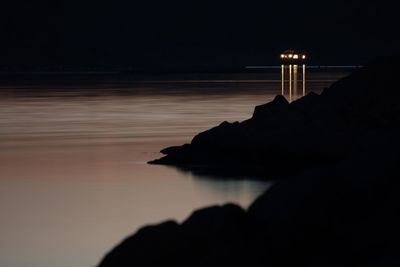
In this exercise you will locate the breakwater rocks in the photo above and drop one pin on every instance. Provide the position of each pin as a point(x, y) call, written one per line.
point(337, 206)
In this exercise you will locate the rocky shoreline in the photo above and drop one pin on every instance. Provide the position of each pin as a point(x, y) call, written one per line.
point(313, 131)
point(337, 205)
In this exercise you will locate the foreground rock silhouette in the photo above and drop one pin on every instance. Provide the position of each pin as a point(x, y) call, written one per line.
point(338, 205)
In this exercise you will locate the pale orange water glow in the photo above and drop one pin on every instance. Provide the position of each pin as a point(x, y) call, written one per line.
point(73, 178)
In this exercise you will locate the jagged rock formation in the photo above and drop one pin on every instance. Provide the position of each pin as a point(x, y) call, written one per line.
point(313, 131)
point(339, 207)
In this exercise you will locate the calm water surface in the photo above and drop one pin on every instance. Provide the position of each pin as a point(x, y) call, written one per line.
point(73, 174)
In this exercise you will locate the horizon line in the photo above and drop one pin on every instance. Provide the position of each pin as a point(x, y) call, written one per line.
point(308, 66)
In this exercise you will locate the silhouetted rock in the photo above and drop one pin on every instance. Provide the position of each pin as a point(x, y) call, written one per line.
point(312, 131)
point(342, 215)
point(279, 105)
point(213, 231)
point(338, 207)
point(161, 239)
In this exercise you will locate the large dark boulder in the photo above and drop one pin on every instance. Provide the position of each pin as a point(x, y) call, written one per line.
point(207, 238)
point(137, 250)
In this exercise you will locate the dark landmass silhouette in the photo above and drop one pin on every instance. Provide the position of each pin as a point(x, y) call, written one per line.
point(282, 139)
point(339, 201)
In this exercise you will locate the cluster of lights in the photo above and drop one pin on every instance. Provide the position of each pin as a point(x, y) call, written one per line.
point(293, 56)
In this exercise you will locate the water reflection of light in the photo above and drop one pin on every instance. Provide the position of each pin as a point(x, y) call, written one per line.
point(304, 79)
point(293, 93)
point(283, 79)
point(290, 82)
point(295, 72)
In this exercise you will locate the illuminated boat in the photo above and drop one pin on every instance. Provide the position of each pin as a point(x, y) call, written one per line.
point(293, 57)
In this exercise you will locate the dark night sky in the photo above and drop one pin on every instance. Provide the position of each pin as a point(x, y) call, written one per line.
point(174, 34)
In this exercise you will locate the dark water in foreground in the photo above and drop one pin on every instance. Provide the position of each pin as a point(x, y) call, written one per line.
point(73, 177)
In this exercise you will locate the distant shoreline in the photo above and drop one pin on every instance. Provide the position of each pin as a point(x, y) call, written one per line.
point(124, 81)
point(245, 69)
